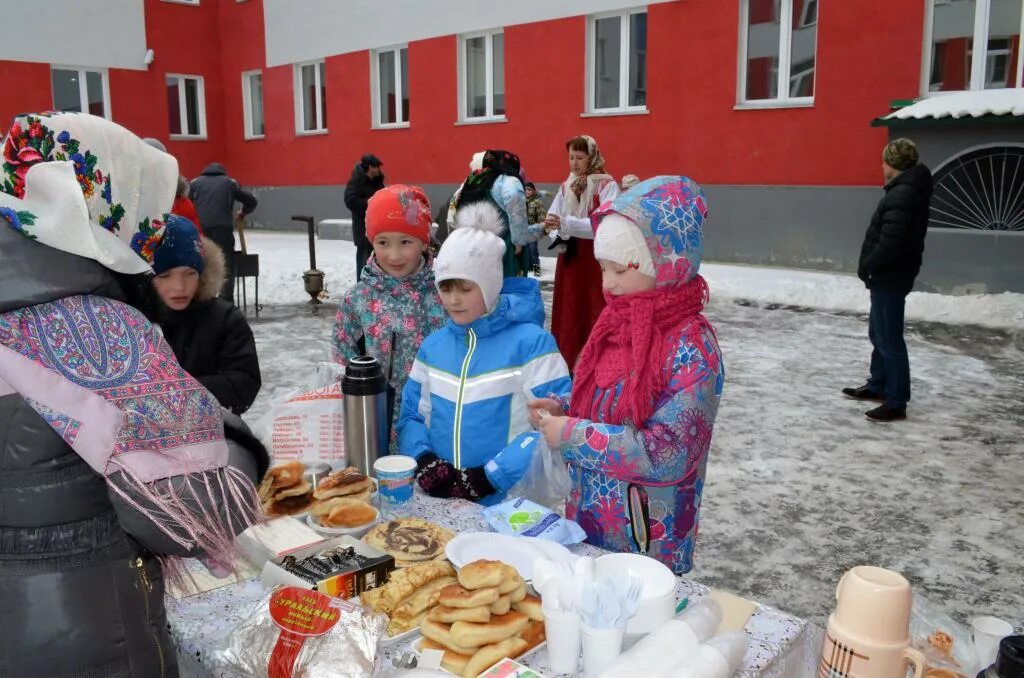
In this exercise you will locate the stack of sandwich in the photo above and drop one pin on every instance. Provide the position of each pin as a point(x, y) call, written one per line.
point(342, 499)
point(409, 594)
point(284, 491)
point(482, 619)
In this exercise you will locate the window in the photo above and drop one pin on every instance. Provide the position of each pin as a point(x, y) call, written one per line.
point(252, 104)
point(617, 61)
point(80, 90)
point(182, 2)
point(390, 87)
point(186, 107)
point(778, 44)
point(482, 76)
point(310, 98)
point(955, 27)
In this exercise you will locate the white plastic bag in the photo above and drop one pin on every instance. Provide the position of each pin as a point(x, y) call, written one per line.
point(546, 480)
point(307, 425)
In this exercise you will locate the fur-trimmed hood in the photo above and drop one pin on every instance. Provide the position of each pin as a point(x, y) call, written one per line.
point(211, 280)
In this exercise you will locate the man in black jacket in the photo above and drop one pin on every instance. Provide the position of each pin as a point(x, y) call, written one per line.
point(367, 178)
point(890, 259)
point(214, 194)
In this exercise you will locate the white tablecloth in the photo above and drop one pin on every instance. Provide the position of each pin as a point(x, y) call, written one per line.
point(781, 646)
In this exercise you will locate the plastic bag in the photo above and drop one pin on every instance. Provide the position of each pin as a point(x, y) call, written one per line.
point(546, 480)
point(944, 643)
point(521, 517)
point(307, 425)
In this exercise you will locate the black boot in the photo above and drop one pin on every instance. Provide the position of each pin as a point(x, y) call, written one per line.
point(863, 393)
point(886, 413)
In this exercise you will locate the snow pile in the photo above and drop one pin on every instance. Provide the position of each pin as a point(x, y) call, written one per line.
point(285, 256)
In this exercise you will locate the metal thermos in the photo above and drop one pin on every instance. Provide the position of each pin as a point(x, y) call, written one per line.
point(366, 421)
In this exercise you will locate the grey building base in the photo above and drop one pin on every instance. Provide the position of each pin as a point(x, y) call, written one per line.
point(817, 227)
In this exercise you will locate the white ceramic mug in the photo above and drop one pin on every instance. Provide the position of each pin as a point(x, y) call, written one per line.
point(868, 635)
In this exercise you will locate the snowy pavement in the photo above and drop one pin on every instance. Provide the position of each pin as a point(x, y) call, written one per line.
point(800, 486)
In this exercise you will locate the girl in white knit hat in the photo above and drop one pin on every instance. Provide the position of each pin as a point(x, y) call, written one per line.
point(464, 416)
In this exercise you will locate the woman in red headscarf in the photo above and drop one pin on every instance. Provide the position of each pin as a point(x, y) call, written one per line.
point(577, 298)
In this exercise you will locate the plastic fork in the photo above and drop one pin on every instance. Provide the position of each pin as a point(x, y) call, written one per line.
point(629, 597)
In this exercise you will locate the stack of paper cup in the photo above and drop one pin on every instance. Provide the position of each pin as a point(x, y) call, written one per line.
point(562, 630)
point(601, 647)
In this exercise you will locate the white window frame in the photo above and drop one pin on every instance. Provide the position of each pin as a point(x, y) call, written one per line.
point(182, 110)
point(319, 90)
point(194, 3)
point(247, 104)
point(982, 10)
point(375, 111)
point(489, 116)
point(624, 51)
point(83, 88)
point(782, 100)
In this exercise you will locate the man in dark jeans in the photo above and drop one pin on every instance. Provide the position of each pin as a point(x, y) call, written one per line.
point(367, 178)
point(890, 259)
point(214, 194)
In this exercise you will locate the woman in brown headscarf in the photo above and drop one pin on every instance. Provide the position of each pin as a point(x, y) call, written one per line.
point(578, 298)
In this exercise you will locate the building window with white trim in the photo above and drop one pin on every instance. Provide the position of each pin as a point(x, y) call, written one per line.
point(482, 76)
point(252, 104)
point(80, 90)
point(617, 62)
point(182, 2)
point(390, 87)
point(186, 106)
point(310, 98)
point(953, 29)
point(778, 47)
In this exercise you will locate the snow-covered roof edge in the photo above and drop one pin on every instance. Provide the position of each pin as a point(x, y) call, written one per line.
point(971, 104)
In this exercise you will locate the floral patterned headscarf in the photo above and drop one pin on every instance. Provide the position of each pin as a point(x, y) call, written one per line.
point(595, 165)
point(85, 185)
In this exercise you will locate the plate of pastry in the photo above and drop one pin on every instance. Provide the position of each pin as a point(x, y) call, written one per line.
point(519, 552)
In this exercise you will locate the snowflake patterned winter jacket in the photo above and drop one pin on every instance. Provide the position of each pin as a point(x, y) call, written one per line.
point(381, 308)
point(638, 489)
point(465, 400)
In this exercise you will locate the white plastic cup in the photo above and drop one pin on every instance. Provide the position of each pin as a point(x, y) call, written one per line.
point(562, 630)
point(988, 631)
point(601, 647)
point(396, 475)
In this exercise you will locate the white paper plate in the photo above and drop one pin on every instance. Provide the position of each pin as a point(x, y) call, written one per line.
point(519, 552)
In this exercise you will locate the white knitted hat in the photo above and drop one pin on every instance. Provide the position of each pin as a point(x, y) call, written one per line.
point(474, 251)
point(620, 240)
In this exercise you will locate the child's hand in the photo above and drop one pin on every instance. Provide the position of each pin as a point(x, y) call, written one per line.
point(543, 405)
point(551, 428)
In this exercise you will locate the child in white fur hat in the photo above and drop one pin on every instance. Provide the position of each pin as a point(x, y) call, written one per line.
point(464, 412)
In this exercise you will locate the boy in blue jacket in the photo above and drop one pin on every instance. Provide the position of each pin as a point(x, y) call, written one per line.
point(464, 416)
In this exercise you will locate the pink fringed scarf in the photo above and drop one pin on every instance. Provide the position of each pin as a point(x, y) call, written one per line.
point(629, 345)
point(103, 377)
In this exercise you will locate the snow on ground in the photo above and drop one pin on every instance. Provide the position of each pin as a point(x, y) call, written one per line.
point(800, 486)
point(285, 256)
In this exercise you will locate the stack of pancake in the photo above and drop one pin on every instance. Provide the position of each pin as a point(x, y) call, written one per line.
point(483, 618)
point(284, 491)
point(342, 499)
point(409, 540)
point(409, 594)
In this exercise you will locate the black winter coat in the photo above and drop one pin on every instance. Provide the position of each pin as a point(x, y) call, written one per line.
point(212, 339)
point(81, 589)
point(358, 191)
point(894, 243)
point(214, 194)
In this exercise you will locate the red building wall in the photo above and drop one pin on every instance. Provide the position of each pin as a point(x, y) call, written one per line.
point(693, 125)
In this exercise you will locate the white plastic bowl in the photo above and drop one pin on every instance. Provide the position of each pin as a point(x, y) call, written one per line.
point(355, 532)
point(658, 597)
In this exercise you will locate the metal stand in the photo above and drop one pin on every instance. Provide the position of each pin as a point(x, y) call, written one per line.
point(313, 279)
point(247, 266)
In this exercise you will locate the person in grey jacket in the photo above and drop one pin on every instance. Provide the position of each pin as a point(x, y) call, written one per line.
point(214, 195)
point(83, 550)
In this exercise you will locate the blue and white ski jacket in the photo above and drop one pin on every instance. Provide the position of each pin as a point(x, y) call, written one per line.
point(466, 396)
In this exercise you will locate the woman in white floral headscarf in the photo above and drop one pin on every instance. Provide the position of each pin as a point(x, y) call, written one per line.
point(114, 459)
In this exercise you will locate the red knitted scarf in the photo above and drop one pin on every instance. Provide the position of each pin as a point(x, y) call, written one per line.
point(630, 345)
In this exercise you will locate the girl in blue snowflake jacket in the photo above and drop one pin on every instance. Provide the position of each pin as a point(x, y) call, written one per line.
point(648, 382)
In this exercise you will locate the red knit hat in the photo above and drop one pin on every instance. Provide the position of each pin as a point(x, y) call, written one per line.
point(399, 209)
